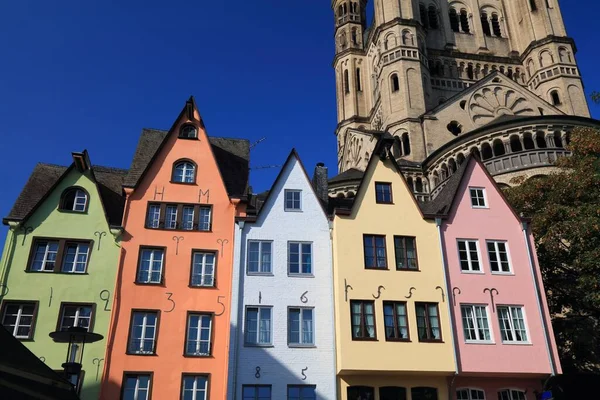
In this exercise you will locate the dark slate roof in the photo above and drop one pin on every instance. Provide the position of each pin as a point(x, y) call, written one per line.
point(45, 176)
point(442, 204)
point(351, 174)
point(232, 156)
point(16, 357)
point(256, 201)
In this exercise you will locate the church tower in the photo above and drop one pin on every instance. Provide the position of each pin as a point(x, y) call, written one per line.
point(433, 73)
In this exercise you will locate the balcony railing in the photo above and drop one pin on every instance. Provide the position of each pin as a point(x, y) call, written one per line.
point(524, 159)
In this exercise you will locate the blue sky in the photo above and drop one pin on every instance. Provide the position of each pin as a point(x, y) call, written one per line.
point(91, 74)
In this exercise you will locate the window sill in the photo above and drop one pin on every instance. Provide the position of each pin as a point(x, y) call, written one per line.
point(258, 345)
point(179, 230)
point(198, 355)
point(473, 272)
point(431, 341)
point(518, 343)
point(260, 274)
point(73, 212)
point(377, 269)
point(202, 287)
point(483, 342)
point(187, 138)
point(183, 183)
point(301, 346)
point(398, 340)
point(24, 339)
point(292, 275)
point(365, 339)
point(55, 272)
point(391, 203)
point(149, 284)
point(480, 207)
point(291, 210)
point(503, 273)
point(142, 354)
point(407, 270)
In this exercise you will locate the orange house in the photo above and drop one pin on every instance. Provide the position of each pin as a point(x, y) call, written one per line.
point(169, 334)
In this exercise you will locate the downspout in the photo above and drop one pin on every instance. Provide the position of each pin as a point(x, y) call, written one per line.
point(335, 387)
point(438, 224)
point(235, 339)
point(538, 297)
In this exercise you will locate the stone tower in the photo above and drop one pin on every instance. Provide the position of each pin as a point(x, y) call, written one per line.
point(439, 74)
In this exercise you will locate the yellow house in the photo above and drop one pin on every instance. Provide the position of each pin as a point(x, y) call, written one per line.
point(394, 335)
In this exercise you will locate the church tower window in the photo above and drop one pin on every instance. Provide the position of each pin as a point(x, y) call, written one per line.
point(485, 24)
point(395, 83)
point(354, 37)
point(454, 22)
point(405, 144)
point(423, 14)
point(496, 25)
point(555, 97)
point(464, 21)
point(346, 82)
point(533, 5)
point(433, 19)
point(358, 81)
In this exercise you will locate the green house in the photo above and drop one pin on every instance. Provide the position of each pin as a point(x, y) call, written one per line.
point(60, 262)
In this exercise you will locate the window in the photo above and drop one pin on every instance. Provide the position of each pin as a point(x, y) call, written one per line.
point(511, 394)
point(301, 326)
point(454, 21)
point(203, 269)
point(477, 197)
point(199, 335)
point(396, 321)
point(346, 82)
point(428, 322)
point(258, 326)
point(423, 393)
point(485, 24)
point(464, 21)
point(194, 387)
point(375, 254)
point(136, 387)
point(300, 258)
point(395, 83)
point(475, 323)
point(79, 315)
point(468, 254)
point(383, 193)
point(188, 132)
point(358, 80)
point(19, 318)
point(185, 217)
point(470, 394)
point(363, 320)
point(150, 268)
point(292, 200)
point(433, 19)
point(533, 5)
point(184, 172)
point(74, 199)
point(512, 324)
point(256, 392)
point(498, 254)
point(259, 257)
point(406, 253)
point(555, 97)
point(496, 25)
point(142, 338)
point(423, 14)
point(75, 256)
point(301, 392)
point(392, 393)
point(360, 393)
point(153, 218)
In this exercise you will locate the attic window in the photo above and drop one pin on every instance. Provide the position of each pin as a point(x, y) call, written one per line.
point(184, 172)
point(454, 128)
point(188, 132)
point(74, 199)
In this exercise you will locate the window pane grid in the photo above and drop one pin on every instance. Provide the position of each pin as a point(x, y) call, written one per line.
point(137, 387)
point(511, 394)
point(258, 325)
point(259, 256)
point(301, 326)
point(292, 200)
point(203, 269)
point(470, 394)
point(498, 254)
point(187, 220)
point(301, 392)
point(383, 192)
point(151, 263)
point(363, 319)
point(406, 254)
point(396, 321)
point(477, 197)
point(468, 254)
point(194, 387)
point(171, 217)
point(143, 333)
point(300, 258)
point(44, 259)
point(256, 392)
point(475, 323)
point(18, 319)
point(184, 172)
point(199, 335)
point(204, 219)
point(79, 316)
point(512, 324)
point(76, 257)
point(428, 324)
point(153, 218)
point(375, 251)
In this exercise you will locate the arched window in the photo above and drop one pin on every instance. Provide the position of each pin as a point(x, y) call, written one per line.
point(470, 394)
point(443, 172)
point(423, 14)
point(346, 82)
point(515, 144)
point(540, 140)
point(74, 199)
point(454, 21)
point(555, 97)
point(433, 19)
point(464, 21)
point(528, 141)
point(499, 149)
point(486, 151)
point(470, 72)
point(188, 132)
point(358, 81)
point(354, 37)
point(184, 172)
point(395, 82)
point(496, 25)
point(460, 158)
point(405, 144)
point(410, 183)
point(564, 55)
point(452, 166)
point(485, 24)
point(558, 140)
point(397, 148)
point(511, 394)
point(419, 185)
point(435, 179)
point(407, 38)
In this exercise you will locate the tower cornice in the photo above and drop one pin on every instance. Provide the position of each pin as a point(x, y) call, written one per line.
point(344, 53)
point(546, 40)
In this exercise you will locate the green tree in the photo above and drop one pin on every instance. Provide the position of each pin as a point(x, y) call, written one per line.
point(565, 211)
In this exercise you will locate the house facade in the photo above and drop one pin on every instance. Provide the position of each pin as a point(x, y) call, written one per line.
point(169, 336)
point(282, 308)
point(394, 335)
point(60, 261)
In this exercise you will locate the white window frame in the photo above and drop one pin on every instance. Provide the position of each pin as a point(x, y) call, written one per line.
point(153, 217)
point(202, 273)
point(143, 338)
point(475, 322)
point(150, 267)
point(197, 392)
point(468, 389)
point(185, 167)
point(15, 329)
point(170, 217)
point(80, 194)
point(257, 342)
point(183, 221)
point(73, 269)
point(512, 325)
point(78, 308)
point(300, 254)
point(285, 200)
point(483, 196)
point(136, 395)
point(497, 252)
point(260, 251)
point(469, 259)
point(301, 331)
point(202, 224)
point(510, 390)
point(198, 337)
point(46, 253)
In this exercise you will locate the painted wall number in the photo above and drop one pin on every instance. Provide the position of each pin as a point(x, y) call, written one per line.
point(105, 296)
point(257, 374)
point(303, 298)
point(169, 294)
point(222, 305)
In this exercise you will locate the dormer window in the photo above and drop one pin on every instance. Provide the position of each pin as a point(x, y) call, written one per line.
point(74, 199)
point(184, 172)
point(383, 193)
point(188, 132)
point(478, 199)
point(293, 200)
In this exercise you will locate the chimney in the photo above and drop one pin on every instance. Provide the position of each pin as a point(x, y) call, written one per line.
point(320, 182)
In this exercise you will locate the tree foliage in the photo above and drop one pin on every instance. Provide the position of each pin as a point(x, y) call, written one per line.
point(565, 211)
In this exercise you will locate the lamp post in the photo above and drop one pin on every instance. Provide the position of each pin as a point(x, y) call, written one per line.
point(76, 337)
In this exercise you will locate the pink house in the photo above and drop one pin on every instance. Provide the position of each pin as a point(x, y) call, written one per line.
point(504, 342)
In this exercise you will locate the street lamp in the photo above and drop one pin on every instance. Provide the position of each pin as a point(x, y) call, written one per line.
point(76, 337)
